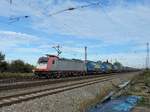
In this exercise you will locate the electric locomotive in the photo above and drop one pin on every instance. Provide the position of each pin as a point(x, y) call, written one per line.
point(53, 66)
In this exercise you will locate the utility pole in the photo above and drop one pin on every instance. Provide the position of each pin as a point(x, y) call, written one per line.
point(10, 1)
point(85, 48)
point(147, 56)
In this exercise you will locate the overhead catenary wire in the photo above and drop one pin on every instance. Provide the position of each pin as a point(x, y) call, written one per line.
point(85, 6)
point(15, 19)
point(12, 18)
point(74, 8)
point(71, 9)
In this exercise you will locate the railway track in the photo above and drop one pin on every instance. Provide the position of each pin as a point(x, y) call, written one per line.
point(34, 83)
point(54, 87)
point(17, 98)
point(15, 80)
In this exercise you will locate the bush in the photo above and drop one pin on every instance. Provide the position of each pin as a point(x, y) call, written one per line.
point(16, 66)
point(3, 63)
point(3, 66)
point(2, 57)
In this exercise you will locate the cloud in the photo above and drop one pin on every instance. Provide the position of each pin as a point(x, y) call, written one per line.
point(14, 44)
point(127, 59)
point(111, 22)
point(22, 45)
point(25, 44)
point(119, 22)
point(18, 45)
point(13, 39)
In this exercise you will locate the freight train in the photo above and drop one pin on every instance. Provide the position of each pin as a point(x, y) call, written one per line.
point(52, 66)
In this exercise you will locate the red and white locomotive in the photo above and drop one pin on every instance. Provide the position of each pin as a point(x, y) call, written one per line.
point(53, 66)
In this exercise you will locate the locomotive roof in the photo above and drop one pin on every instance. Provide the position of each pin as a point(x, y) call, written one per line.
point(51, 55)
point(77, 60)
point(70, 59)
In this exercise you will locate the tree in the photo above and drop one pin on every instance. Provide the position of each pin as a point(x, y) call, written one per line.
point(20, 66)
point(2, 57)
point(17, 66)
point(4, 66)
point(28, 68)
point(3, 63)
point(14, 66)
point(118, 64)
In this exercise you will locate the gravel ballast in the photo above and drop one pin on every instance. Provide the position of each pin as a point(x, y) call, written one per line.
point(69, 101)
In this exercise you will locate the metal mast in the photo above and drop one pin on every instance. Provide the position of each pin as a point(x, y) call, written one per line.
point(147, 56)
point(85, 48)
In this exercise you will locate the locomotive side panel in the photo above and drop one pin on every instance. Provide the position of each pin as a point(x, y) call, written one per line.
point(68, 65)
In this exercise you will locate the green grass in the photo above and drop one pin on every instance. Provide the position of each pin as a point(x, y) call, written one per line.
point(147, 78)
point(145, 101)
point(141, 83)
point(15, 75)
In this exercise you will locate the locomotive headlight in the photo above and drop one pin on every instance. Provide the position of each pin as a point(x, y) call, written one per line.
point(42, 65)
point(33, 70)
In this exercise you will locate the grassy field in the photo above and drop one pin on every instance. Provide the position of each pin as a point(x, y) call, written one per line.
point(15, 75)
point(145, 100)
point(141, 87)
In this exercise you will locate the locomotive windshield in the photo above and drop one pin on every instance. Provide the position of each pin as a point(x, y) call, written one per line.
point(42, 63)
point(43, 60)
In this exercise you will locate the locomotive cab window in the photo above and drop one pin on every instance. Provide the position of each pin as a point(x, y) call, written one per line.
point(53, 62)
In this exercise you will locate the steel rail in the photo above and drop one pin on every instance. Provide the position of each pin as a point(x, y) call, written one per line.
point(48, 81)
point(8, 100)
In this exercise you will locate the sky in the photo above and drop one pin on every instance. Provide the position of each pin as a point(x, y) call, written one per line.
point(117, 30)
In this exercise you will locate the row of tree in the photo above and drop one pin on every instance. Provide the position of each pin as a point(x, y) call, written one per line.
point(16, 66)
